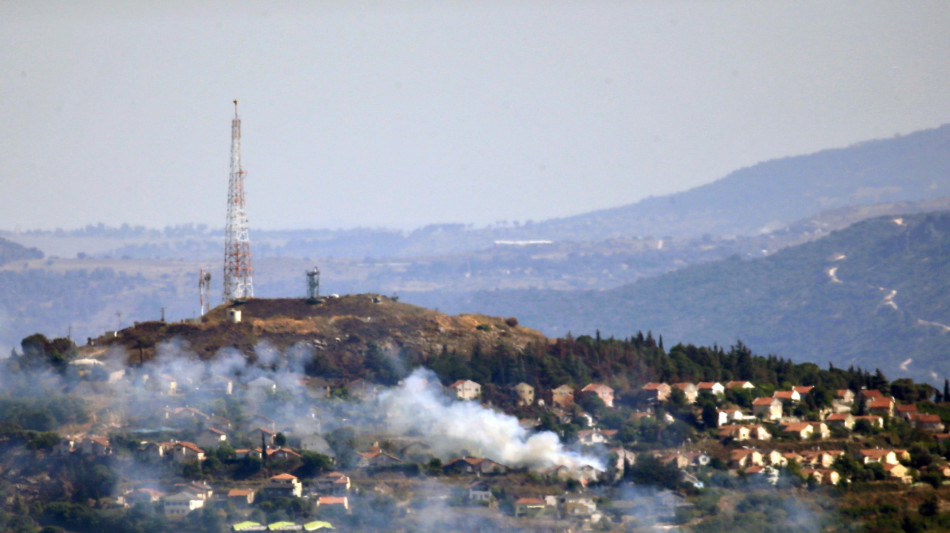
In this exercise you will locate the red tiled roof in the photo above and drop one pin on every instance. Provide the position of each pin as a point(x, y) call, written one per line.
point(880, 403)
point(529, 501)
point(597, 387)
point(796, 427)
point(739, 454)
point(286, 451)
point(736, 384)
point(191, 446)
point(875, 452)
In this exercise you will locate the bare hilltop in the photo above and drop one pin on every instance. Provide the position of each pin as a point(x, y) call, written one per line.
point(344, 329)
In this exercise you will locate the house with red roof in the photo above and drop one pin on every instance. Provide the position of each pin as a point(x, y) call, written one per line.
point(530, 507)
point(806, 430)
point(823, 476)
point(842, 420)
point(787, 396)
point(744, 432)
point(605, 393)
point(881, 406)
point(878, 455)
point(739, 385)
point(904, 409)
point(241, 498)
point(767, 408)
point(657, 392)
point(866, 395)
point(375, 457)
point(898, 472)
point(802, 390)
point(283, 454)
point(466, 389)
point(926, 422)
point(743, 458)
point(324, 502)
point(283, 486)
point(211, 438)
point(690, 390)
point(820, 458)
point(712, 387)
point(845, 396)
point(186, 451)
point(96, 446)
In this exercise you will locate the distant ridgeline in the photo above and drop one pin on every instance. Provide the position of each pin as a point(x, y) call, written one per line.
point(11, 251)
point(875, 294)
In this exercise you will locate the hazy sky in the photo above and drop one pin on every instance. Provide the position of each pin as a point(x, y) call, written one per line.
point(400, 114)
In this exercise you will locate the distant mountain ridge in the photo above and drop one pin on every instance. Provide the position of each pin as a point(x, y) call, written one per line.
point(750, 201)
point(876, 294)
point(772, 194)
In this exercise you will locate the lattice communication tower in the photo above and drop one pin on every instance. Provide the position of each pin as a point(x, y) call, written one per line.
point(238, 284)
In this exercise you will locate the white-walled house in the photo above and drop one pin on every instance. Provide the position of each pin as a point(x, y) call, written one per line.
point(466, 389)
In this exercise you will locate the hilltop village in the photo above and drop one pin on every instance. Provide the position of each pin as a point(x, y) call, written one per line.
point(362, 413)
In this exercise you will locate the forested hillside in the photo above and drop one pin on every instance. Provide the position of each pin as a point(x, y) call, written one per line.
point(875, 294)
point(11, 251)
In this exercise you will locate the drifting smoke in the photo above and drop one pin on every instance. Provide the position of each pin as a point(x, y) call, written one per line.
point(451, 427)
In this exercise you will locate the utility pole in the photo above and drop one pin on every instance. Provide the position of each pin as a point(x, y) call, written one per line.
point(238, 284)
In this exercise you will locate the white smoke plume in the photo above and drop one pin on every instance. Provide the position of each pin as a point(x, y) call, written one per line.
point(451, 427)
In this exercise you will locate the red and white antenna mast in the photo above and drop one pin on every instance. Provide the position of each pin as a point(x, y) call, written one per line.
point(237, 245)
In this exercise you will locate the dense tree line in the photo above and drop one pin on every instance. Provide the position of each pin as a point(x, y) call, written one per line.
point(627, 364)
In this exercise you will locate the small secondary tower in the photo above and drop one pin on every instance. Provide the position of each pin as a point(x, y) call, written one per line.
point(204, 288)
point(313, 283)
point(238, 284)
